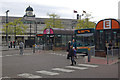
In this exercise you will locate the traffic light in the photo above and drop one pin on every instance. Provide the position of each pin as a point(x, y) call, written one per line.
point(77, 16)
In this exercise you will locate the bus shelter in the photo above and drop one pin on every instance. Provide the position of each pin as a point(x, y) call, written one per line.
point(55, 38)
point(107, 30)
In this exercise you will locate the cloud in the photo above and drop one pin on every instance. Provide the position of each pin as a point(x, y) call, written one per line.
point(18, 9)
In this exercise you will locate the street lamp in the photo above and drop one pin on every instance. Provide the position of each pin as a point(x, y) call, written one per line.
point(6, 26)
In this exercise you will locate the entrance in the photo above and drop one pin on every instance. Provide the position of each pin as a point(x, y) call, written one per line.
point(49, 39)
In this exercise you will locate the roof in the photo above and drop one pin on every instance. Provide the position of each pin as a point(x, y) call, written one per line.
point(61, 31)
point(29, 9)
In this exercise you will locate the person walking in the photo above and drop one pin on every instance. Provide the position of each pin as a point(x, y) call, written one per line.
point(71, 54)
point(21, 45)
point(68, 48)
point(73, 43)
point(75, 52)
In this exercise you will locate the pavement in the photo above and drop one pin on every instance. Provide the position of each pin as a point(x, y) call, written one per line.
point(99, 60)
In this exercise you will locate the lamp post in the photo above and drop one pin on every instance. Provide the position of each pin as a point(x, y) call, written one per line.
point(30, 30)
point(6, 26)
point(15, 36)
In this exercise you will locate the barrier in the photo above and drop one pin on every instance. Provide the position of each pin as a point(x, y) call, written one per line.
point(112, 53)
point(91, 52)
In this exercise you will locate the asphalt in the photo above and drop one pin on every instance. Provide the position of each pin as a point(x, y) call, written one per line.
point(46, 60)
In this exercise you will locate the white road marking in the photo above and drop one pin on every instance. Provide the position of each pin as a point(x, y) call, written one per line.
point(47, 72)
point(75, 67)
point(63, 70)
point(27, 54)
point(27, 75)
point(15, 54)
point(8, 55)
point(4, 77)
point(87, 65)
point(60, 54)
point(64, 55)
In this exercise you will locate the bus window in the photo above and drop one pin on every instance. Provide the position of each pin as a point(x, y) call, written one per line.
point(79, 40)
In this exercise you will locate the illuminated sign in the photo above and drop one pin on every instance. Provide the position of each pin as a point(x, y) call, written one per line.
point(39, 34)
point(48, 31)
point(83, 31)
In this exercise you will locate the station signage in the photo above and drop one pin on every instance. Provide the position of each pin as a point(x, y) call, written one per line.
point(48, 31)
point(39, 34)
point(83, 31)
point(107, 24)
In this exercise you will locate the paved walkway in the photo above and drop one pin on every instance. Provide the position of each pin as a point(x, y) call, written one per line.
point(99, 60)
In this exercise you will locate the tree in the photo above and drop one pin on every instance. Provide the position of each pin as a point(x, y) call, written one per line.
point(16, 27)
point(85, 23)
point(53, 21)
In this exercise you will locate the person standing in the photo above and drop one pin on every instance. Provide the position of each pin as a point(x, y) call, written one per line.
point(110, 46)
point(71, 54)
point(106, 46)
point(21, 45)
point(11, 44)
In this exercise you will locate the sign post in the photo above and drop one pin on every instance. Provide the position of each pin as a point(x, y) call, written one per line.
point(88, 54)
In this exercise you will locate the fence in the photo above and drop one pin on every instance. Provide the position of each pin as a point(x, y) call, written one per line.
point(91, 52)
point(112, 54)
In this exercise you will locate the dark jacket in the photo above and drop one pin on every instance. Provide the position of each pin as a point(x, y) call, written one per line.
point(68, 47)
point(71, 52)
point(73, 44)
point(110, 46)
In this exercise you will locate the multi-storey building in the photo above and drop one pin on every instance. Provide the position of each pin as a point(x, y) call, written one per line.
point(37, 25)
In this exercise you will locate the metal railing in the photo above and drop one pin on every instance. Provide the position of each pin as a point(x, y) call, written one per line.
point(112, 53)
point(91, 52)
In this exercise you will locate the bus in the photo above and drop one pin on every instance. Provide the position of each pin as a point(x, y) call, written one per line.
point(84, 39)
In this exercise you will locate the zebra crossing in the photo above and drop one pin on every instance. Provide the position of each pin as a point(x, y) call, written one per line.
point(54, 71)
point(58, 54)
point(57, 71)
point(28, 75)
point(25, 54)
point(63, 70)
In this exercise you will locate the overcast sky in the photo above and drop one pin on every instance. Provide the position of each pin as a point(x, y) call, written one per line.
point(99, 9)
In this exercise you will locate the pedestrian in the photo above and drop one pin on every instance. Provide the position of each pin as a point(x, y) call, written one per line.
point(68, 48)
point(73, 43)
point(106, 46)
point(110, 46)
point(14, 44)
point(71, 54)
point(21, 45)
point(75, 52)
point(11, 44)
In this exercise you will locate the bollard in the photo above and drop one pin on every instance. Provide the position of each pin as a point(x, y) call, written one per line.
point(88, 54)
point(112, 53)
point(107, 55)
